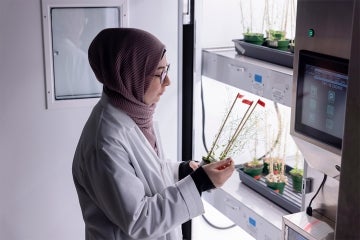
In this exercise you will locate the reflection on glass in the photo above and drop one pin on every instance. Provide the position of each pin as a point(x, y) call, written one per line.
point(72, 31)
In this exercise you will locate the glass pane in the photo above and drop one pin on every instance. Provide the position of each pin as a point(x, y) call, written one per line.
point(72, 32)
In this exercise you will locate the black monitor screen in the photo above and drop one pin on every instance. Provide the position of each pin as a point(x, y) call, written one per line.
point(321, 97)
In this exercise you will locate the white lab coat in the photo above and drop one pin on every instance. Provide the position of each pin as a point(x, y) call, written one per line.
point(125, 190)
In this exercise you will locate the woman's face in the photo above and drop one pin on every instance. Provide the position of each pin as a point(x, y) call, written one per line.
point(156, 89)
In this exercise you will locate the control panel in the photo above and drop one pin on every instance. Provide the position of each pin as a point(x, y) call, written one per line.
point(264, 79)
point(255, 214)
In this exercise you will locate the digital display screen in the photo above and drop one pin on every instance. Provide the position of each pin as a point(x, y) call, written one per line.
point(321, 97)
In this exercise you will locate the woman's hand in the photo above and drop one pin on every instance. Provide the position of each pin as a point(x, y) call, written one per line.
point(194, 165)
point(220, 171)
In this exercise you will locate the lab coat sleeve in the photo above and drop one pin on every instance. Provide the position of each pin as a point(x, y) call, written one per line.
point(119, 192)
point(174, 168)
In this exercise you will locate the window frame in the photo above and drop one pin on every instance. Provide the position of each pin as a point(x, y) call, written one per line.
point(47, 6)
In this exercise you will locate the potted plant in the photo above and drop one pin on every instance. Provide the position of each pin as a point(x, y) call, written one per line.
point(292, 46)
point(278, 181)
point(254, 168)
point(254, 38)
point(297, 175)
point(276, 162)
point(252, 19)
point(266, 161)
point(280, 20)
point(277, 39)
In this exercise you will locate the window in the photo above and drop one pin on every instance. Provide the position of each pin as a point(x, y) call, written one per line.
point(68, 31)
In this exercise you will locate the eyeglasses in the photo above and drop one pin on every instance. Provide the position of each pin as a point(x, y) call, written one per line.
point(163, 74)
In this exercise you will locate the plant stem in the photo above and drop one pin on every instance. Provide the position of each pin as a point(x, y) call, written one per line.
point(247, 114)
point(222, 126)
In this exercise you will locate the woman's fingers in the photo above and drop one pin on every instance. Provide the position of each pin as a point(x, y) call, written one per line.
point(219, 172)
point(194, 165)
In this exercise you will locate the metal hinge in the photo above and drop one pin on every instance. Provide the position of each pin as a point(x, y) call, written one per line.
point(307, 185)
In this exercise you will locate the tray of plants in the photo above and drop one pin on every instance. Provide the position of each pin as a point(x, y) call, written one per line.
point(283, 57)
point(277, 187)
point(237, 131)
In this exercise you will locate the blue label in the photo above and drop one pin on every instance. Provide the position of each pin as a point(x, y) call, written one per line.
point(258, 78)
point(252, 221)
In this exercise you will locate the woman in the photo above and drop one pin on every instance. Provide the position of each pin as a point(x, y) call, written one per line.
point(126, 189)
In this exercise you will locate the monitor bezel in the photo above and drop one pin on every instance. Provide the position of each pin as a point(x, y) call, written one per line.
point(323, 61)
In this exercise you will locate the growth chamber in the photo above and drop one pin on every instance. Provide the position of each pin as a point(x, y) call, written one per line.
point(299, 125)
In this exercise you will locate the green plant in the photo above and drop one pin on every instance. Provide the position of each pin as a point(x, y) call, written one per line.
point(277, 186)
point(255, 38)
point(296, 172)
point(275, 35)
point(297, 176)
point(235, 132)
point(277, 39)
point(254, 168)
point(255, 163)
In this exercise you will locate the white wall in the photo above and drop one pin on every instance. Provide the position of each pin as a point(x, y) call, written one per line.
point(38, 198)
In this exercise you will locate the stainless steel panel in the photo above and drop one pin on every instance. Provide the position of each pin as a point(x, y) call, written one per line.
point(258, 216)
point(331, 21)
point(326, 201)
point(226, 66)
point(310, 227)
point(334, 27)
point(348, 212)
